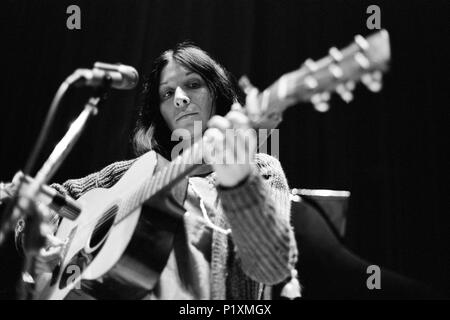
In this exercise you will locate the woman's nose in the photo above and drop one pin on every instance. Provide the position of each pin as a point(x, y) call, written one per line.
point(181, 99)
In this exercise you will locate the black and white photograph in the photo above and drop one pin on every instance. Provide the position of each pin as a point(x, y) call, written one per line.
point(201, 150)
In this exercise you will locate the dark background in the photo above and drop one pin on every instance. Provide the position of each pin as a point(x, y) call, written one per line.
point(386, 148)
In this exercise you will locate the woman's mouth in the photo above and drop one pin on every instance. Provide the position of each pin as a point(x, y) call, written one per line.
point(186, 115)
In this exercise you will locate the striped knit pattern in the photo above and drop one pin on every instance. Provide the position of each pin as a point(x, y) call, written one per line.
point(261, 249)
point(258, 213)
point(104, 178)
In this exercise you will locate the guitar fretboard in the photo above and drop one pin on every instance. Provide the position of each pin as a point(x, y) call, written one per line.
point(163, 180)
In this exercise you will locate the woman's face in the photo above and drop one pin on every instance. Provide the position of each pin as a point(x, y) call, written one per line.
point(185, 99)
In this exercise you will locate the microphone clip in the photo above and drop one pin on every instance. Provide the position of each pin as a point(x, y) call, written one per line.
point(106, 75)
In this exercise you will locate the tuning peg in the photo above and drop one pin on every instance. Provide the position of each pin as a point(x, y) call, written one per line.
point(336, 71)
point(310, 65)
point(311, 83)
point(294, 195)
point(336, 54)
point(320, 101)
point(350, 85)
point(325, 96)
point(344, 93)
point(361, 42)
point(362, 60)
point(373, 81)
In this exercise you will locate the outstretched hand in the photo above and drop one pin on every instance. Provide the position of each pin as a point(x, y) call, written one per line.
point(231, 147)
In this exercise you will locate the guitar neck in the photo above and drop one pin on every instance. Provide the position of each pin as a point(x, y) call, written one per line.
point(165, 179)
point(363, 60)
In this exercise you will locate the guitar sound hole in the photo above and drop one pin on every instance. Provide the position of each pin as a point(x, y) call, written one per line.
point(103, 226)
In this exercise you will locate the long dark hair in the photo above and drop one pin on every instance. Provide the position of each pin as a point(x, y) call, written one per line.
point(151, 131)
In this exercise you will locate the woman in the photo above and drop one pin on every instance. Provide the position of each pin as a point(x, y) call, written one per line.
point(248, 194)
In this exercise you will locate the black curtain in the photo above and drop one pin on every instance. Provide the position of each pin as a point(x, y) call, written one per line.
point(386, 148)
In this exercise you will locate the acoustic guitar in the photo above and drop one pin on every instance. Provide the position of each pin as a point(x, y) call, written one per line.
point(113, 248)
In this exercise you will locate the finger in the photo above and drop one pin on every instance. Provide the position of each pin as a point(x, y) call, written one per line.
point(54, 241)
point(41, 268)
point(245, 145)
point(252, 101)
point(17, 177)
point(213, 153)
point(49, 254)
point(231, 147)
point(238, 119)
point(219, 123)
point(242, 141)
point(208, 146)
point(47, 227)
point(245, 84)
point(46, 264)
point(240, 145)
point(236, 107)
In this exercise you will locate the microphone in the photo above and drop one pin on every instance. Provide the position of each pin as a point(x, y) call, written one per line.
point(118, 75)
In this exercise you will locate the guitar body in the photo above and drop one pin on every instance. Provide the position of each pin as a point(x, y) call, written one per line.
point(113, 252)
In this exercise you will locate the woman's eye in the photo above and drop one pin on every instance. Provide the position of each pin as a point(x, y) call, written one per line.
point(167, 94)
point(194, 85)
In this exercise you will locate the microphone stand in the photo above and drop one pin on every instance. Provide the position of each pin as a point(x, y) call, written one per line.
point(26, 205)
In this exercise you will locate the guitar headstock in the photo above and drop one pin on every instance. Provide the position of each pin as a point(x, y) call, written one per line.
point(364, 60)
